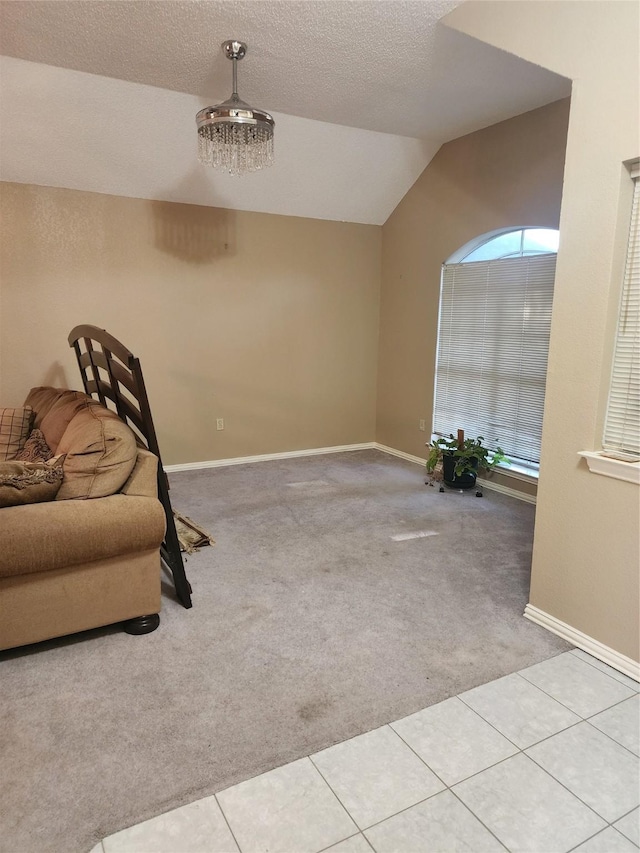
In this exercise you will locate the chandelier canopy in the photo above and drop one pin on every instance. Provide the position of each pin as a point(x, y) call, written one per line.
point(232, 135)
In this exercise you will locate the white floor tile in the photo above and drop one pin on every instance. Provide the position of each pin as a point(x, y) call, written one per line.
point(453, 740)
point(599, 771)
point(589, 773)
point(441, 823)
point(527, 809)
point(603, 667)
point(287, 809)
point(629, 826)
point(607, 841)
point(622, 723)
point(519, 710)
point(376, 775)
point(196, 828)
point(355, 844)
point(579, 686)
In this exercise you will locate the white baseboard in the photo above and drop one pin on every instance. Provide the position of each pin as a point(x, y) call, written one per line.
point(507, 490)
point(268, 457)
point(343, 448)
point(400, 454)
point(593, 647)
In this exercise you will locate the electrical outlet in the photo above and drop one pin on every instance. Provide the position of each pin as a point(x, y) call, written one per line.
point(422, 425)
point(220, 423)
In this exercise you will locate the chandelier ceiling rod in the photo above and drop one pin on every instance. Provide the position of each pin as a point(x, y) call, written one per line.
point(232, 135)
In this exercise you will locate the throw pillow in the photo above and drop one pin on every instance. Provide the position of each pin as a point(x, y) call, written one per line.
point(15, 426)
point(29, 482)
point(36, 448)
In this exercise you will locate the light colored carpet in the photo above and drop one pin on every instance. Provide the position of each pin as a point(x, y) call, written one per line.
point(310, 625)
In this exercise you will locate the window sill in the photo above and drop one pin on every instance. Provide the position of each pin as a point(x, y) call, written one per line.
point(599, 464)
point(518, 472)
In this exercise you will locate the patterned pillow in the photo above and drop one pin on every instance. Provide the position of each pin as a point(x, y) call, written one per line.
point(15, 426)
point(30, 482)
point(36, 448)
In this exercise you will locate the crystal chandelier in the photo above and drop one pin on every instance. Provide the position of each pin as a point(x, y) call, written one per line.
point(232, 135)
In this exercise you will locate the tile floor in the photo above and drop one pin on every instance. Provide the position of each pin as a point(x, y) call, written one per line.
point(546, 760)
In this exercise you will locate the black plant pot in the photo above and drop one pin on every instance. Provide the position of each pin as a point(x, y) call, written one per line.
point(464, 481)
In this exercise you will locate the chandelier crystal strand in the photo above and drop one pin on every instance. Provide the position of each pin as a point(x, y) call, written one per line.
point(234, 136)
point(236, 148)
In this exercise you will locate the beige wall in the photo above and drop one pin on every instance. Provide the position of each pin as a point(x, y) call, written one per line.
point(269, 322)
point(509, 174)
point(587, 538)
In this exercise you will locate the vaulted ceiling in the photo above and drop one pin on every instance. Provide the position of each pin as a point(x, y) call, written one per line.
point(102, 95)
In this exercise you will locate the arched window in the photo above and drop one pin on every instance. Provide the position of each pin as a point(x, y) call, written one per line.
point(493, 340)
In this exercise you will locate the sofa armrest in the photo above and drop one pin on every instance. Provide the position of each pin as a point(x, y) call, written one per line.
point(53, 535)
point(143, 480)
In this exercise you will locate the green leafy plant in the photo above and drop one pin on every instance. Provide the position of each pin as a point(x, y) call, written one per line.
point(469, 455)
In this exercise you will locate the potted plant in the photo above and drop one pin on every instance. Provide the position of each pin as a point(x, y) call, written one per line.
point(461, 458)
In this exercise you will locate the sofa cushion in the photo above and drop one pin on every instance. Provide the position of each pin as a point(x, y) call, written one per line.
point(100, 449)
point(15, 426)
point(54, 409)
point(29, 482)
point(100, 453)
point(36, 448)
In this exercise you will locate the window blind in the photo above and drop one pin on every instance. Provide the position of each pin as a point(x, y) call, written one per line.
point(622, 427)
point(493, 344)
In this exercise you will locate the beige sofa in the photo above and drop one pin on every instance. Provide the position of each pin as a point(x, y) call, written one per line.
point(91, 557)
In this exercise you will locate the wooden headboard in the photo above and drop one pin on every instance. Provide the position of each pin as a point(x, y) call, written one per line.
point(113, 374)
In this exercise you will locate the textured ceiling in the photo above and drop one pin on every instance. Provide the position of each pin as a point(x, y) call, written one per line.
point(69, 129)
point(382, 65)
point(386, 66)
